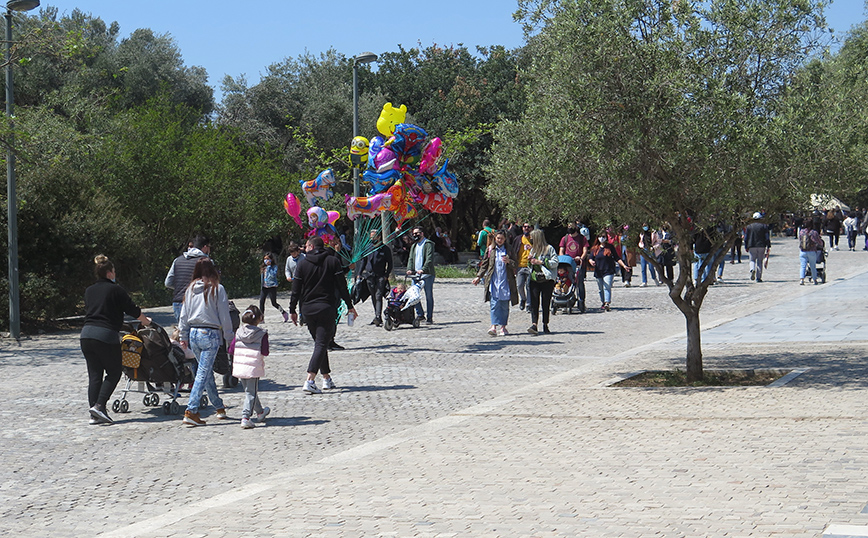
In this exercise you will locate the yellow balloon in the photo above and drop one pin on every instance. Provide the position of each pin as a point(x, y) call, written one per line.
point(389, 118)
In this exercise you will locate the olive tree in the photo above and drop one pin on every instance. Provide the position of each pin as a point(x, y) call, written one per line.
point(663, 112)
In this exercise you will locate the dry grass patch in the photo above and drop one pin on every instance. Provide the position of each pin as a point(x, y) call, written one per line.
point(712, 378)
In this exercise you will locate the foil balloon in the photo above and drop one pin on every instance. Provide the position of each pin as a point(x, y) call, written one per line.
point(404, 212)
point(319, 189)
point(389, 118)
point(293, 208)
point(380, 182)
point(317, 217)
point(359, 152)
point(437, 203)
point(367, 206)
point(445, 181)
point(333, 217)
point(385, 160)
point(374, 147)
point(430, 155)
point(408, 141)
point(397, 196)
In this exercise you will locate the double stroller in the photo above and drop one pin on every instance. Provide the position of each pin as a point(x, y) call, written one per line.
point(565, 295)
point(399, 310)
point(157, 365)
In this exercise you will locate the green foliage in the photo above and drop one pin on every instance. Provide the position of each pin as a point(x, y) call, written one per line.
point(657, 111)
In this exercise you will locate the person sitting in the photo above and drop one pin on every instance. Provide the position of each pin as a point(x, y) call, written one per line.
point(564, 282)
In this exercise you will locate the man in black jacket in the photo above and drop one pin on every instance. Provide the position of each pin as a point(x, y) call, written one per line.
point(375, 268)
point(317, 278)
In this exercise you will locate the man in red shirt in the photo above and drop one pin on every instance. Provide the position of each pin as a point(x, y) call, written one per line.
point(576, 247)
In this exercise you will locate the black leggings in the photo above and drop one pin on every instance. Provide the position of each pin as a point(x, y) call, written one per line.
point(322, 328)
point(101, 357)
point(542, 289)
point(272, 293)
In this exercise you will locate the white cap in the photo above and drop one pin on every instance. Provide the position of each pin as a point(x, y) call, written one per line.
point(757, 215)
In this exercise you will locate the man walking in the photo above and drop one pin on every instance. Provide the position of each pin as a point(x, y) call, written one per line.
point(179, 275)
point(758, 244)
point(375, 268)
point(521, 246)
point(318, 277)
point(421, 263)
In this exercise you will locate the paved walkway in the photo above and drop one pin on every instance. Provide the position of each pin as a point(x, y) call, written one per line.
point(445, 431)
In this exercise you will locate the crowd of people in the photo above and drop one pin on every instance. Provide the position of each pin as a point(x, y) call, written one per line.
point(517, 267)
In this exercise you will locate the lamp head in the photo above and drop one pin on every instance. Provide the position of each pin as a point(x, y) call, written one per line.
point(22, 5)
point(365, 58)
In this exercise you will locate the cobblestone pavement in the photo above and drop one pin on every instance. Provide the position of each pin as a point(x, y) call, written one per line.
point(445, 431)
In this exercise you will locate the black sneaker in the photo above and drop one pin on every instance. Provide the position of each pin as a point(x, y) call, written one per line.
point(101, 415)
point(335, 347)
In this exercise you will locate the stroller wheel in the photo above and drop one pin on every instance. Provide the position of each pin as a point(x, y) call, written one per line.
point(175, 407)
point(116, 406)
point(125, 406)
point(167, 408)
point(203, 402)
point(416, 323)
point(387, 324)
point(147, 400)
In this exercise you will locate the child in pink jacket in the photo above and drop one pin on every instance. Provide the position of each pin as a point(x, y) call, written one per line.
point(250, 348)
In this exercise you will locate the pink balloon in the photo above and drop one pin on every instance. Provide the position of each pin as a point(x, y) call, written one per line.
point(293, 208)
point(333, 217)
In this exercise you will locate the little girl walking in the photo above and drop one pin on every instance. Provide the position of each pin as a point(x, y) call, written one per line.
point(250, 348)
point(270, 281)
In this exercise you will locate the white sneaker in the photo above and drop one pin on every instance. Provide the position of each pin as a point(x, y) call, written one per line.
point(328, 384)
point(260, 417)
point(246, 423)
point(643, 285)
point(310, 388)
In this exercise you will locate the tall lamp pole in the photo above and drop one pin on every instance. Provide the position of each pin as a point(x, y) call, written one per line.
point(363, 58)
point(11, 198)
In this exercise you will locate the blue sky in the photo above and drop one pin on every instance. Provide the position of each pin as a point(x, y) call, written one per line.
point(243, 38)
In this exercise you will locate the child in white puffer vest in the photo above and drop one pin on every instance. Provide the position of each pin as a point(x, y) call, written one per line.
point(250, 348)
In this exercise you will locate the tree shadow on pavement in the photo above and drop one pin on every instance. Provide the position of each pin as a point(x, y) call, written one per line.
point(372, 388)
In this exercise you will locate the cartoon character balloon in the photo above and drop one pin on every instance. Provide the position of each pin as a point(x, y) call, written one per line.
point(319, 189)
point(390, 117)
point(368, 206)
point(430, 155)
point(359, 152)
point(322, 223)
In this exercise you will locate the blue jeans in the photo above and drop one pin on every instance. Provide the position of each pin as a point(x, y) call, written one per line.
point(605, 285)
point(428, 285)
point(700, 259)
point(176, 309)
point(499, 311)
point(805, 259)
point(645, 264)
point(522, 279)
point(204, 343)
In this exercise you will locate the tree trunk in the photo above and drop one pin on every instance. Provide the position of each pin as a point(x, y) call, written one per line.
point(694, 347)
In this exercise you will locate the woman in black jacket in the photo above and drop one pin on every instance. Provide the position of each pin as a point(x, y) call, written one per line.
point(105, 304)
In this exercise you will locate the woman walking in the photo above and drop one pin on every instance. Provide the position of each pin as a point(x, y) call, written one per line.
point(204, 321)
point(543, 263)
point(604, 259)
point(497, 270)
point(105, 304)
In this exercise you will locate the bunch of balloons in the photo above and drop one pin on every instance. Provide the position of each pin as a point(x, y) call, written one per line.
point(400, 170)
point(317, 190)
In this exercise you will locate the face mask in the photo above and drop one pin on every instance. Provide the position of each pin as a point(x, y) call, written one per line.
point(267, 262)
point(645, 228)
point(601, 240)
point(417, 237)
point(113, 279)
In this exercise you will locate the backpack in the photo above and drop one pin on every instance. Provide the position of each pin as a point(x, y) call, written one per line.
point(806, 243)
point(131, 351)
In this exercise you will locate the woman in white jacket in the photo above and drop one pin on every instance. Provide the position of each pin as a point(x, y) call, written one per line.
point(248, 364)
point(204, 324)
point(543, 263)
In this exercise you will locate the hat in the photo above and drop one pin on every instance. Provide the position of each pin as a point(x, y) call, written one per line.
point(757, 215)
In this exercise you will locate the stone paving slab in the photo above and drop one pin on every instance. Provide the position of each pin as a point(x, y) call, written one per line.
point(444, 431)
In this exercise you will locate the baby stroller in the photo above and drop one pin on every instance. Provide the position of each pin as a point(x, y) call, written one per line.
point(149, 357)
point(400, 309)
point(821, 267)
point(564, 298)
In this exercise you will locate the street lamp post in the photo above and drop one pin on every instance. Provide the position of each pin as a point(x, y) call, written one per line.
point(363, 58)
point(11, 198)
